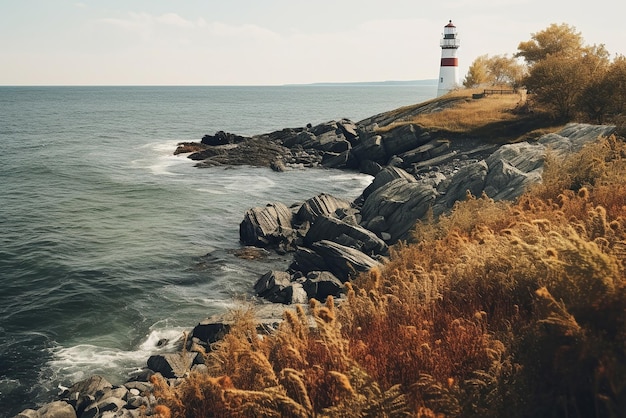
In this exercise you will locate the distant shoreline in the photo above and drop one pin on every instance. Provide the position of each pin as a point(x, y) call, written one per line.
point(432, 82)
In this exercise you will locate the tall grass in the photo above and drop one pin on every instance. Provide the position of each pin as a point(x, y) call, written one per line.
point(498, 309)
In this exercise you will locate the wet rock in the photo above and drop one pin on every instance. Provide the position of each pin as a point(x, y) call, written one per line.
point(267, 226)
point(172, 365)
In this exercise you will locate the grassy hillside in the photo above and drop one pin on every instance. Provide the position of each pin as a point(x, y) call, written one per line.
point(498, 309)
point(496, 118)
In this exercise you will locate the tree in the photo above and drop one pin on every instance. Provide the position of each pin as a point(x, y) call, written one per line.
point(554, 40)
point(505, 70)
point(496, 70)
point(564, 74)
point(477, 73)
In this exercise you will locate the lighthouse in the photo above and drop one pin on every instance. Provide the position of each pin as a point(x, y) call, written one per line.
point(449, 69)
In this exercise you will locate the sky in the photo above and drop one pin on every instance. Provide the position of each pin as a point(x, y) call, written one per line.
point(270, 42)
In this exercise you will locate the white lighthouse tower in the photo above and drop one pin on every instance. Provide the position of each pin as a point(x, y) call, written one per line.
point(449, 69)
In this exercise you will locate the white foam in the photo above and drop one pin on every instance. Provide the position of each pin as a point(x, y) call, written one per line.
point(73, 364)
point(159, 157)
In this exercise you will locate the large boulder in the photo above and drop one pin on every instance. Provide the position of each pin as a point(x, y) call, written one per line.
point(400, 203)
point(57, 409)
point(404, 138)
point(172, 365)
point(506, 182)
point(385, 176)
point(267, 226)
point(371, 148)
point(320, 205)
point(330, 228)
point(470, 178)
point(272, 284)
point(321, 284)
point(344, 262)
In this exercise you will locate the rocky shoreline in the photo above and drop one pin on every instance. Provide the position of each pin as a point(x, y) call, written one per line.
point(331, 240)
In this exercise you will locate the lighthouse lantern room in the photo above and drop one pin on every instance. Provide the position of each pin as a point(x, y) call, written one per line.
point(449, 69)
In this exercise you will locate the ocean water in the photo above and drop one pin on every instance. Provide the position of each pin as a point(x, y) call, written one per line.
point(110, 243)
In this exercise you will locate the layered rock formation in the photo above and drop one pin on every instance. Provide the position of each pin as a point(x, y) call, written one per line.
point(338, 239)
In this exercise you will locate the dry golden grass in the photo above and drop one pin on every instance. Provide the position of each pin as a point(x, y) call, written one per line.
point(499, 310)
point(467, 115)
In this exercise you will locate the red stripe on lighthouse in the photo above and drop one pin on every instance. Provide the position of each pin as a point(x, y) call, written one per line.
point(449, 62)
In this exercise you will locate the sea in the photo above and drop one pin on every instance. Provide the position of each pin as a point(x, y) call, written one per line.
point(111, 245)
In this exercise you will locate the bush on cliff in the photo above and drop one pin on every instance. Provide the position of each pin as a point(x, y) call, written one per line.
point(499, 309)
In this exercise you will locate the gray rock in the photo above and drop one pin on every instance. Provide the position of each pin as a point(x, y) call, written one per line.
point(105, 405)
point(469, 178)
point(426, 151)
point(405, 138)
point(385, 176)
point(344, 159)
point(524, 156)
point(270, 225)
point(370, 167)
point(344, 262)
point(172, 365)
point(57, 409)
point(271, 284)
point(402, 203)
point(306, 260)
point(94, 386)
point(120, 392)
point(506, 182)
point(371, 148)
point(140, 387)
point(328, 228)
point(321, 205)
point(208, 331)
point(321, 284)
point(298, 294)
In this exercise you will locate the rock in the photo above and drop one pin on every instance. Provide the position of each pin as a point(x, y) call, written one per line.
point(222, 138)
point(271, 285)
point(90, 386)
point(349, 129)
point(344, 262)
point(172, 364)
point(371, 148)
point(427, 151)
point(506, 182)
point(385, 176)
point(405, 138)
point(209, 332)
point(98, 409)
point(321, 284)
point(370, 167)
point(341, 160)
point(401, 202)
point(268, 226)
point(298, 294)
point(469, 178)
point(140, 387)
point(523, 156)
point(28, 413)
point(57, 409)
point(306, 260)
point(329, 228)
point(321, 205)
